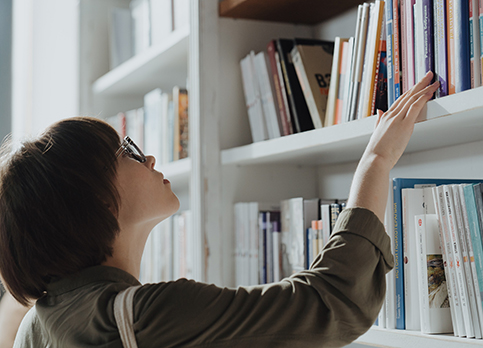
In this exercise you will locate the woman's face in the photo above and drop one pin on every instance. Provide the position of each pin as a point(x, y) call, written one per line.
point(146, 196)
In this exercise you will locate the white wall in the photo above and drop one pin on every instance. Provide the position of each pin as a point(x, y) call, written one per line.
point(45, 64)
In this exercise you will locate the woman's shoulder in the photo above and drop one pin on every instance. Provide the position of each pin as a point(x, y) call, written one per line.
point(30, 333)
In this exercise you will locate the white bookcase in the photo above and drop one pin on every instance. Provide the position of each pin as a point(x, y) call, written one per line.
point(224, 166)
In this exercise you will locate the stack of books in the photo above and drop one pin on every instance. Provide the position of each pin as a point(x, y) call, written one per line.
point(275, 240)
point(160, 127)
point(144, 24)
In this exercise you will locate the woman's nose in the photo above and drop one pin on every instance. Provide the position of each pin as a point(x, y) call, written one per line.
point(150, 162)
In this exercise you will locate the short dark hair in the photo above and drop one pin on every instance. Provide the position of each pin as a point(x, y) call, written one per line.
point(58, 205)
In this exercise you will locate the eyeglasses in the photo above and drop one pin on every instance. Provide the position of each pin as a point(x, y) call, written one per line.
point(131, 149)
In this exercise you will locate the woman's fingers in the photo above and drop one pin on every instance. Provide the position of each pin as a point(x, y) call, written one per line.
point(416, 90)
point(417, 101)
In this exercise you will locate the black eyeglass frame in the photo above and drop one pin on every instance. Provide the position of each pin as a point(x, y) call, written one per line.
point(127, 146)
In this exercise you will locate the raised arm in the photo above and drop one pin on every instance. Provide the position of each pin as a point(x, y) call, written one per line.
point(387, 144)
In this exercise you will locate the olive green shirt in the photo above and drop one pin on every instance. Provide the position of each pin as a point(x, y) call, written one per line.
point(330, 305)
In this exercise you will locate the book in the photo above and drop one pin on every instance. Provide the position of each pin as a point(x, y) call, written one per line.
point(344, 78)
point(372, 59)
point(390, 276)
point(440, 51)
point(450, 46)
point(265, 84)
point(435, 313)
point(181, 13)
point(476, 242)
point(470, 264)
point(425, 54)
point(474, 28)
point(379, 99)
point(336, 76)
point(181, 123)
point(153, 127)
point(460, 276)
point(344, 97)
point(280, 92)
point(356, 79)
point(449, 265)
point(120, 36)
point(396, 49)
point(135, 126)
point(253, 100)
point(461, 46)
point(389, 49)
point(161, 19)
point(300, 114)
point(141, 25)
point(407, 41)
point(313, 65)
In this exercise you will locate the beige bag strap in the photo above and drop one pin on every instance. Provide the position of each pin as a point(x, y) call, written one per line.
point(123, 312)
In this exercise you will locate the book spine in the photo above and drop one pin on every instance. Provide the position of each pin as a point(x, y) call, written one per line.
point(461, 46)
point(397, 38)
point(440, 40)
point(379, 97)
point(404, 44)
point(480, 16)
point(334, 82)
point(411, 81)
point(398, 262)
point(305, 85)
point(428, 36)
point(458, 261)
point(466, 256)
point(345, 59)
point(450, 46)
point(476, 306)
point(456, 315)
point(389, 46)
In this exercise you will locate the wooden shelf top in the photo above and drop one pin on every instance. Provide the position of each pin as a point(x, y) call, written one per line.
point(290, 11)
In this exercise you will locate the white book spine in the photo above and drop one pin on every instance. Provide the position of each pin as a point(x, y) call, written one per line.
point(459, 266)
point(456, 314)
point(435, 308)
point(412, 204)
point(467, 251)
point(253, 244)
point(267, 95)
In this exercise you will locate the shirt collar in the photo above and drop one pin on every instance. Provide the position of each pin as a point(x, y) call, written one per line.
point(96, 274)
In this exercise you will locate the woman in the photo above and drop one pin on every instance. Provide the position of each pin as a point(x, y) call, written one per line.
point(76, 208)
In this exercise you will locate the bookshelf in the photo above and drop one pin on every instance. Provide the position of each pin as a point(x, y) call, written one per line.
point(161, 66)
point(225, 167)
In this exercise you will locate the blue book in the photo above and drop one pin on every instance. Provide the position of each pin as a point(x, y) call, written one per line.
point(475, 231)
point(398, 185)
point(462, 46)
point(389, 54)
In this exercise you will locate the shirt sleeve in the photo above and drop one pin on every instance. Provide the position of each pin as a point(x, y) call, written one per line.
point(330, 305)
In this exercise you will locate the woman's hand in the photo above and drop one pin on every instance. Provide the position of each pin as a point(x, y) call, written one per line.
point(392, 133)
point(394, 127)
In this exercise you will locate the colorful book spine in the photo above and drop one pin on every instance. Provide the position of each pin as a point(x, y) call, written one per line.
point(461, 46)
point(396, 49)
point(450, 46)
point(440, 50)
point(428, 35)
point(278, 80)
point(389, 46)
point(475, 66)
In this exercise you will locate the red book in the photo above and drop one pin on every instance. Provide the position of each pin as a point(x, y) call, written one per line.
point(279, 90)
point(396, 48)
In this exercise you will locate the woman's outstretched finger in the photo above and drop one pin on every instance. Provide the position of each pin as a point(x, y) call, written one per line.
point(403, 99)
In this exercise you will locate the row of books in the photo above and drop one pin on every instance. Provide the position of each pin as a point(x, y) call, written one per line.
point(145, 23)
point(302, 84)
point(169, 250)
point(437, 241)
point(273, 241)
point(160, 127)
